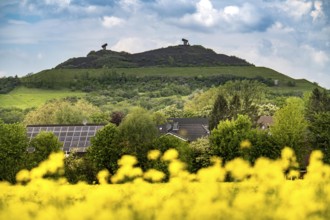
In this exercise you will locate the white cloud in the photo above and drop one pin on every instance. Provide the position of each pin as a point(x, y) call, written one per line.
point(231, 11)
point(139, 44)
point(111, 21)
point(61, 3)
point(17, 22)
point(236, 18)
point(205, 14)
point(40, 56)
point(3, 73)
point(319, 57)
point(130, 5)
point(297, 8)
point(318, 11)
point(278, 27)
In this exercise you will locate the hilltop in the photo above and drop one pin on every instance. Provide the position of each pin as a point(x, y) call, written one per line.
point(153, 79)
point(173, 56)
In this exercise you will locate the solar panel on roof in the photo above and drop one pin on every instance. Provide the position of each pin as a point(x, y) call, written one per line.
point(74, 138)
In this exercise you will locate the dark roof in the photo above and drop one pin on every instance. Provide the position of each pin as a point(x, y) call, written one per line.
point(74, 137)
point(187, 129)
point(265, 121)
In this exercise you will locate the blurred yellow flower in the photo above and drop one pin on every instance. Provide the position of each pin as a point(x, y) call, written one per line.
point(154, 154)
point(245, 144)
point(170, 154)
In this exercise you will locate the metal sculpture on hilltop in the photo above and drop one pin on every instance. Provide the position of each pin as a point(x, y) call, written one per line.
point(185, 42)
point(104, 46)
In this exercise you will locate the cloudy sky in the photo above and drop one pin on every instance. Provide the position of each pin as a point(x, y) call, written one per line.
point(290, 36)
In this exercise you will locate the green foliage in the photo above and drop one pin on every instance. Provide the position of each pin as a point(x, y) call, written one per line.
point(290, 127)
point(320, 130)
point(318, 102)
point(138, 128)
point(201, 102)
point(22, 97)
point(318, 114)
point(8, 83)
point(163, 143)
point(243, 96)
point(44, 144)
point(268, 109)
point(117, 117)
point(13, 145)
point(79, 168)
point(200, 154)
point(12, 115)
point(263, 144)
point(226, 138)
point(65, 112)
point(219, 112)
point(105, 150)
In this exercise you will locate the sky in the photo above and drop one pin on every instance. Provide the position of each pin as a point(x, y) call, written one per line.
point(289, 36)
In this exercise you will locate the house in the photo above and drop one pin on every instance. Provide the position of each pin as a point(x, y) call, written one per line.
point(77, 137)
point(74, 137)
point(186, 129)
point(264, 122)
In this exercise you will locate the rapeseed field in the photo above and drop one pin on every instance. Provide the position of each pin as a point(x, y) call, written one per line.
point(270, 189)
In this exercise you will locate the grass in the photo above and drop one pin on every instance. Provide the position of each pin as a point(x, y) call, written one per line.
point(243, 71)
point(63, 77)
point(23, 97)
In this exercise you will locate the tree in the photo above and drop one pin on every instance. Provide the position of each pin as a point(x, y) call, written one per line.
point(219, 112)
point(105, 150)
point(319, 101)
point(117, 117)
point(12, 115)
point(138, 128)
point(318, 115)
point(226, 138)
point(245, 95)
point(202, 102)
point(235, 106)
point(290, 127)
point(79, 168)
point(44, 144)
point(13, 145)
point(320, 133)
point(164, 143)
point(64, 112)
point(200, 154)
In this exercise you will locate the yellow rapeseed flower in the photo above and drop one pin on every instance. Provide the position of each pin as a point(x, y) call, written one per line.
point(103, 176)
point(127, 160)
point(154, 175)
point(154, 154)
point(170, 154)
point(245, 144)
point(23, 176)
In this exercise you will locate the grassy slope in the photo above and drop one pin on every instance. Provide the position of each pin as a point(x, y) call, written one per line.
point(25, 98)
point(65, 76)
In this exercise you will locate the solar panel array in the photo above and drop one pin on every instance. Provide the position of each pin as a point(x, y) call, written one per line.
point(73, 137)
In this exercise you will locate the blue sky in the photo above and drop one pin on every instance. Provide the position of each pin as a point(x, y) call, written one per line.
point(290, 36)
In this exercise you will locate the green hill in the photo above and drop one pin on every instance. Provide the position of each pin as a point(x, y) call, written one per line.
point(152, 79)
point(173, 56)
point(202, 77)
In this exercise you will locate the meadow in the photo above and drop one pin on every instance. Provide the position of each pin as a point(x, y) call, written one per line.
point(63, 77)
point(23, 97)
point(270, 189)
point(116, 87)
